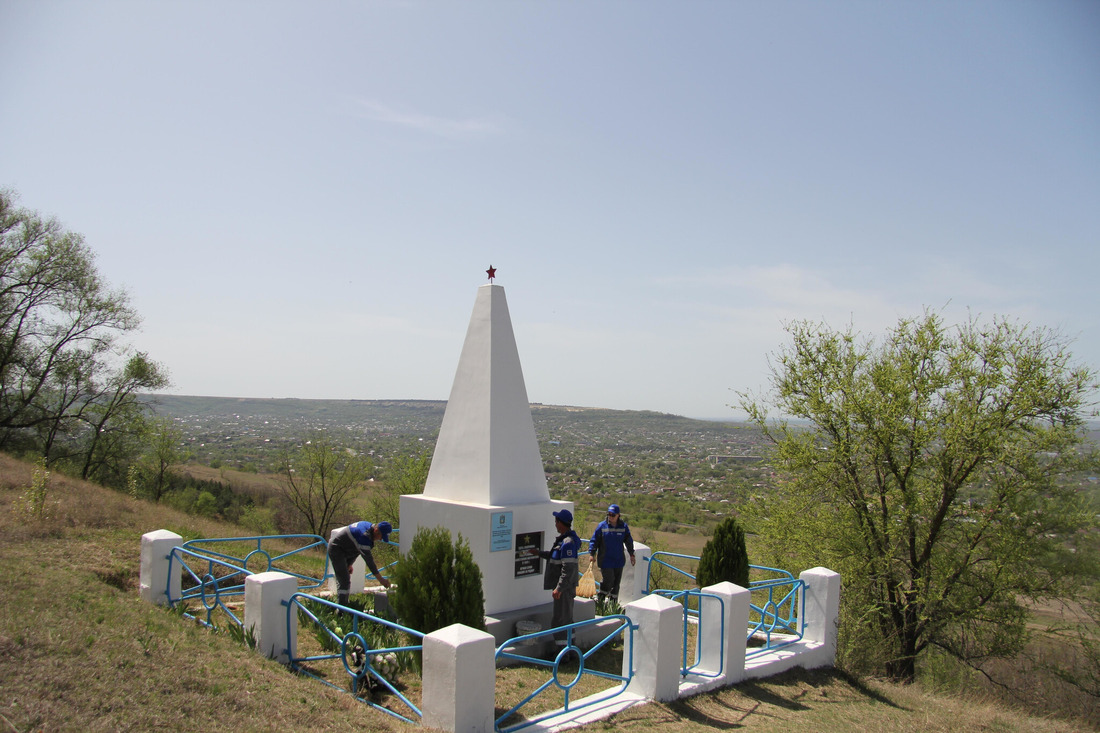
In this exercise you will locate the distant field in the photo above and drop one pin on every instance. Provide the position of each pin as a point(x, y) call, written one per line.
point(254, 484)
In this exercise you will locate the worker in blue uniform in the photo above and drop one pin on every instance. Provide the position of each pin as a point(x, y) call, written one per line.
point(561, 572)
point(347, 543)
point(606, 549)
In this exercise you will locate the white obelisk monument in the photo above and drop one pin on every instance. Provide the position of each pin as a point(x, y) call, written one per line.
point(487, 480)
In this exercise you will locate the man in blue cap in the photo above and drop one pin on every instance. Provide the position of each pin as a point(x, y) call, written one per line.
point(606, 547)
point(347, 543)
point(561, 571)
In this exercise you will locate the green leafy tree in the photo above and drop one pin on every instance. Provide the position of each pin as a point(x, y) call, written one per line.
point(438, 583)
point(724, 557)
point(931, 470)
point(57, 317)
point(118, 421)
point(151, 475)
point(68, 384)
point(405, 474)
point(320, 480)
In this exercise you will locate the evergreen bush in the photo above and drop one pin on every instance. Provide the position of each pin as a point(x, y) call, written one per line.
point(438, 583)
point(724, 557)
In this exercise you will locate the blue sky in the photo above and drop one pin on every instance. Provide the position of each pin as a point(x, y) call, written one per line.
point(301, 198)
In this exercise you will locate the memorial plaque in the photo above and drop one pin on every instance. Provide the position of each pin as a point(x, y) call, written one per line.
point(500, 535)
point(527, 560)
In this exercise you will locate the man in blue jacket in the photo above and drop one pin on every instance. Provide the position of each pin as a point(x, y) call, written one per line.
point(606, 547)
point(561, 571)
point(347, 543)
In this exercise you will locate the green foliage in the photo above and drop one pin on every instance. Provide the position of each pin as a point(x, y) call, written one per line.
point(151, 475)
point(406, 473)
point(68, 383)
point(206, 505)
point(438, 583)
point(320, 480)
point(214, 499)
point(724, 557)
point(239, 634)
point(607, 606)
point(34, 504)
point(133, 486)
point(259, 520)
point(934, 470)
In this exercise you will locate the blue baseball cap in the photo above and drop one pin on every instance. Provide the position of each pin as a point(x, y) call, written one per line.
point(564, 516)
point(613, 509)
point(385, 528)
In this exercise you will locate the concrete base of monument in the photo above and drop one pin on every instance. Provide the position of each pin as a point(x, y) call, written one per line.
point(502, 539)
point(510, 624)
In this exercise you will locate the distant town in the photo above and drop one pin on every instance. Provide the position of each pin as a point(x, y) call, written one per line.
point(589, 454)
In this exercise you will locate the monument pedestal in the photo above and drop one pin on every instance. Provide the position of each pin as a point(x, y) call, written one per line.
point(497, 535)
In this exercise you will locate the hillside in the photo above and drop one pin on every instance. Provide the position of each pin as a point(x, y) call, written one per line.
point(79, 650)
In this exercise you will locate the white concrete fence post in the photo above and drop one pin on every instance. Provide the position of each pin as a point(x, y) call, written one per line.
point(266, 598)
point(459, 681)
point(632, 586)
point(655, 646)
point(155, 585)
point(821, 610)
point(735, 616)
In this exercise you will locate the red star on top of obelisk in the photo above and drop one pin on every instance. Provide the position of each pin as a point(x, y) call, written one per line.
point(491, 272)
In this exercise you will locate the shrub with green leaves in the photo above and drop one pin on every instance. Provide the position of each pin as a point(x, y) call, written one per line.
point(438, 583)
point(34, 503)
point(724, 557)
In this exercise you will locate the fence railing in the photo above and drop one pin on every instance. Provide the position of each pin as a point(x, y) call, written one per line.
point(262, 554)
point(774, 620)
point(207, 577)
point(566, 675)
point(657, 559)
point(693, 603)
point(266, 553)
point(366, 653)
point(774, 616)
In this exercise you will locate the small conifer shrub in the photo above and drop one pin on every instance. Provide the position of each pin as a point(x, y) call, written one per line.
point(724, 557)
point(438, 583)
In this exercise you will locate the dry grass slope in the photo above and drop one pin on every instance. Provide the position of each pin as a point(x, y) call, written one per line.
point(79, 650)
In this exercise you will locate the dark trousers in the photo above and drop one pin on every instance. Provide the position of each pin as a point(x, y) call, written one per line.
point(563, 614)
point(609, 586)
point(341, 560)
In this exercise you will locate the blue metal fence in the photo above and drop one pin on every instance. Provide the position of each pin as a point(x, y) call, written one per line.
point(261, 554)
point(693, 603)
point(359, 662)
point(214, 570)
point(774, 620)
point(774, 612)
point(208, 576)
point(512, 650)
point(657, 560)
